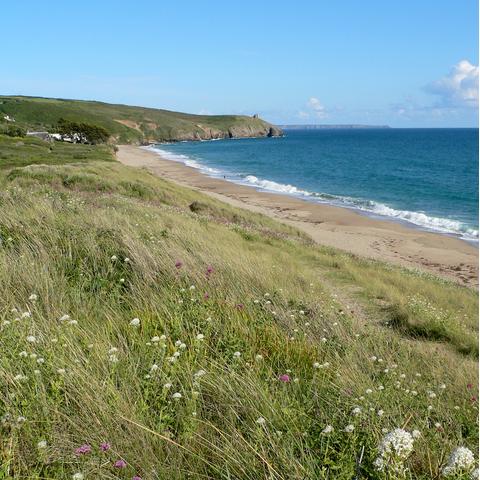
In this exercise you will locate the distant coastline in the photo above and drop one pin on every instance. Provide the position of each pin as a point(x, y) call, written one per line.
point(332, 126)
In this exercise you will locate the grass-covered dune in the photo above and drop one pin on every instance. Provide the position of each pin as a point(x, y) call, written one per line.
point(150, 331)
point(128, 124)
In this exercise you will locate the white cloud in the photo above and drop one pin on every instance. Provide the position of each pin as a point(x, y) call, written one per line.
point(318, 109)
point(303, 114)
point(459, 88)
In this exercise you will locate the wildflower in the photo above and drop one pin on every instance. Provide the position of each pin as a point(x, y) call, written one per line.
point(155, 339)
point(135, 322)
point(61, 371)
point(356, 411)
point(178, 264)
point(368, 391)
point(42, 444)
point(64, 318)
point(237, 354)
point(83, 449)
point(461, 461)
point(167, 386)
point(328, 429)
point(78, 476)
point(200, 336)
point(316, 365)
point(260, 421)
point(33, 297)
point(154, 367)
point(395, 447)
point(284, 378)
point(200, 373)
point(416, 434)
point(31, 339)
point(120, 464)
point(177, 396)
point(19, 377)
point(182, 346)
point(127, 260)
point(73, 322)
point(104, 446)
point(380, 413)
point(112, 358)
point(258, 358)
point(475, 474)
point(23, 354)
point(136, 477)
point(25, 315)
point(192, 287)
point(349, 428)
point(113, 258)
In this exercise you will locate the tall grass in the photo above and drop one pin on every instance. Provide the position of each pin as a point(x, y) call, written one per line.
point(246, 348)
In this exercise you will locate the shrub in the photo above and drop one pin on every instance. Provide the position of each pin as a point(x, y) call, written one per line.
point(14, 131)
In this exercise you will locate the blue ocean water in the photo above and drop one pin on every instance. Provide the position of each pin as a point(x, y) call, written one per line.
point(425, 177)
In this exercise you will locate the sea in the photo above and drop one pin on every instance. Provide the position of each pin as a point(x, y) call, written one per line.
point(425, 178)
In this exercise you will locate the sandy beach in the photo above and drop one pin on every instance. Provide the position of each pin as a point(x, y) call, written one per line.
point(342, 228)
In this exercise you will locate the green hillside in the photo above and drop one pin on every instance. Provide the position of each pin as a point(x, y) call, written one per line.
point(128, 124)
point(150, 331)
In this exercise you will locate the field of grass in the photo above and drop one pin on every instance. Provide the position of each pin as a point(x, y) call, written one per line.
point(126, 124)
point(149, 331)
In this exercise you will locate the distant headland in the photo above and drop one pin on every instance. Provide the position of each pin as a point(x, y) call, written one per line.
point(326, 126)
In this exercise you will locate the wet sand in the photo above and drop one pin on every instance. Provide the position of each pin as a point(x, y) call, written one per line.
point(342, 228)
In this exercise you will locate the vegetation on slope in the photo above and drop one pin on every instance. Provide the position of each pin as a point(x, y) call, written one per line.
point(256, 354)
point(128, 124)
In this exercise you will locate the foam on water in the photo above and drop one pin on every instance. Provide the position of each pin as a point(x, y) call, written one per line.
point(419, 219)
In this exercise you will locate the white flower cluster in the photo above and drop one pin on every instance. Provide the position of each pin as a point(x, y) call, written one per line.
point(461, 461)
point(395, 447)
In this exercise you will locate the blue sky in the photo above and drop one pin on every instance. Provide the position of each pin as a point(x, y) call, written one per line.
point(403, 63)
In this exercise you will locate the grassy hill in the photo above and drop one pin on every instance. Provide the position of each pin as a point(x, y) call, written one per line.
point(256, 353)
point(129, 124)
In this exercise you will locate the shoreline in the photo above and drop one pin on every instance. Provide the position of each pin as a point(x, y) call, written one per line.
point(410, 219)
point(444, 255)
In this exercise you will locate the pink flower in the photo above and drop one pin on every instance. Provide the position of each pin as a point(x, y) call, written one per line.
point(240, 306)
point(83, 449)
point(136, 477)
point(284, 378)
point(206, 296)
point(104, 446)
point(209, 271)
point(178, 264)
point(120, 464)
point(469, 386)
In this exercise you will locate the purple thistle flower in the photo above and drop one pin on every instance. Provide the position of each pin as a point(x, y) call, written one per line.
point(120, 464)
point(284, 378)
point(83, 449)
point(178, 264)
point(136, 477)
point(104, 446)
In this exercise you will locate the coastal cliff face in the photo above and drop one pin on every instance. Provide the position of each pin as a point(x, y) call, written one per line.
point(200, 132)
point(132, 125)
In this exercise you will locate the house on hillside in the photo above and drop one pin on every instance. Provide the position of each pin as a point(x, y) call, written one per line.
point(42, 135)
